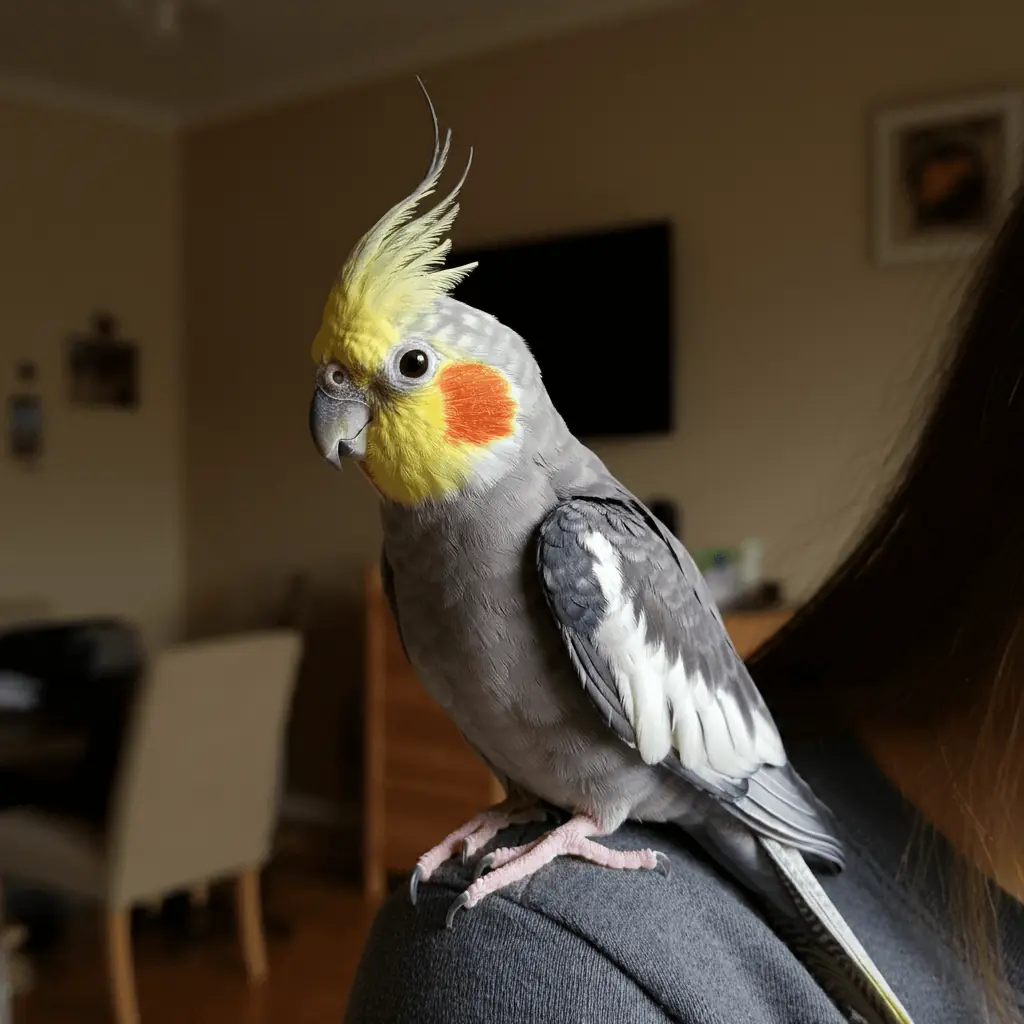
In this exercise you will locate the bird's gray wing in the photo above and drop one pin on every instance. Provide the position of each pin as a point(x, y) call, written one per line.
point(650, 649)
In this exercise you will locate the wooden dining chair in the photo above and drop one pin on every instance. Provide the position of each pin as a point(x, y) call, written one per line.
point(195, 800)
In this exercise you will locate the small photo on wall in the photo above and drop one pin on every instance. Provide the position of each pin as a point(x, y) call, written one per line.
point(944, 175)
point(103, 368)
point(25, 427)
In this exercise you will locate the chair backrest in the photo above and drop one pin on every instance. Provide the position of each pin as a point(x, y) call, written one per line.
point(196, 795)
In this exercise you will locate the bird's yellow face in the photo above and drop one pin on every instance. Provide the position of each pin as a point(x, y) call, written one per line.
point(423, 417)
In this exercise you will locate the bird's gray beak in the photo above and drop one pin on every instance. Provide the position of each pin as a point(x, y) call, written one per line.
point(338, 416)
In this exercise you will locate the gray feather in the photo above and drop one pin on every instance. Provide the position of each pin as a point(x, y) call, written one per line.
point(669, 596)
point(828, 946)
point(387, 579)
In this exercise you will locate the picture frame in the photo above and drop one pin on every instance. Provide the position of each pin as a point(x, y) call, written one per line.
point(25, 427)
point(103, 367)
point(943, 176)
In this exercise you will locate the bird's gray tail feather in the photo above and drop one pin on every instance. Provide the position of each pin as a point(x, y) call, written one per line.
point(827, 945)
point(802, 915)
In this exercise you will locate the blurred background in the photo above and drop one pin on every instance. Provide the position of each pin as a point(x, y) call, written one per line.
point(187, 597)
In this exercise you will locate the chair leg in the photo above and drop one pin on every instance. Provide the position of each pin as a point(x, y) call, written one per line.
point(122, 971)
point(250, 924)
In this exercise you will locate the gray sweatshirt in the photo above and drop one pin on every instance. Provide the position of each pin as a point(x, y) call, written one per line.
point(579, 943)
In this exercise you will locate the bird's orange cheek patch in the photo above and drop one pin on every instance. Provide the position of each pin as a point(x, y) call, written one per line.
point(478, 405)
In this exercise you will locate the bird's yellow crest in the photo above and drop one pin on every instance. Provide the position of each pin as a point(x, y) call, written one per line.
point(395, 272)
point(432, 433)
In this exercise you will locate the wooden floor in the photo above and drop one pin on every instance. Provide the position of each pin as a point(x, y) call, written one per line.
point(203, 981)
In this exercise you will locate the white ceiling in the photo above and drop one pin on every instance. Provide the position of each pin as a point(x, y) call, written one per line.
point(233, 55)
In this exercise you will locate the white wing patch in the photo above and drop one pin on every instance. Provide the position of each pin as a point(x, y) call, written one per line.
point(668, 706)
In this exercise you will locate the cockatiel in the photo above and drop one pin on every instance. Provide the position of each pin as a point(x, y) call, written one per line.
point(566, 632)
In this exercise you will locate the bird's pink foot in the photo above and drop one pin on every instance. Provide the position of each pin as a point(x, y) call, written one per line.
point(473, 836)
point(511, 864)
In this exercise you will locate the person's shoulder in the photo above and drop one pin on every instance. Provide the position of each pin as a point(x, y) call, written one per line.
point(578, 943)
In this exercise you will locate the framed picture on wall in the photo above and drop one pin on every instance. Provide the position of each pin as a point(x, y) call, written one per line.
point(102, 367)
point(943, 176)
point(25, 427)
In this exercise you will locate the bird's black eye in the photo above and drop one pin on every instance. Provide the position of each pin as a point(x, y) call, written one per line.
point(414, 363)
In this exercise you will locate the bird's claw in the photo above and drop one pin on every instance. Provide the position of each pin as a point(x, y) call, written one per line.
point(457, 905)
point(663, 865)
point(414, 883)
point(483, 865)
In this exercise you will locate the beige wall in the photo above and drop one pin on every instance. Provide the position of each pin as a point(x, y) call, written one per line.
point(89, 219)
point(745, 123)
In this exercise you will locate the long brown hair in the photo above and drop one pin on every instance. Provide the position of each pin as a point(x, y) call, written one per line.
point(922, 618)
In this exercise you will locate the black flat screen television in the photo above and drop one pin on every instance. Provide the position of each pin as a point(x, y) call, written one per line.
point(596, 310)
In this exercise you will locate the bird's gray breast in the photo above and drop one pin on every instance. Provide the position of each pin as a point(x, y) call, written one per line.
point(478, 632)
point(474, 621)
